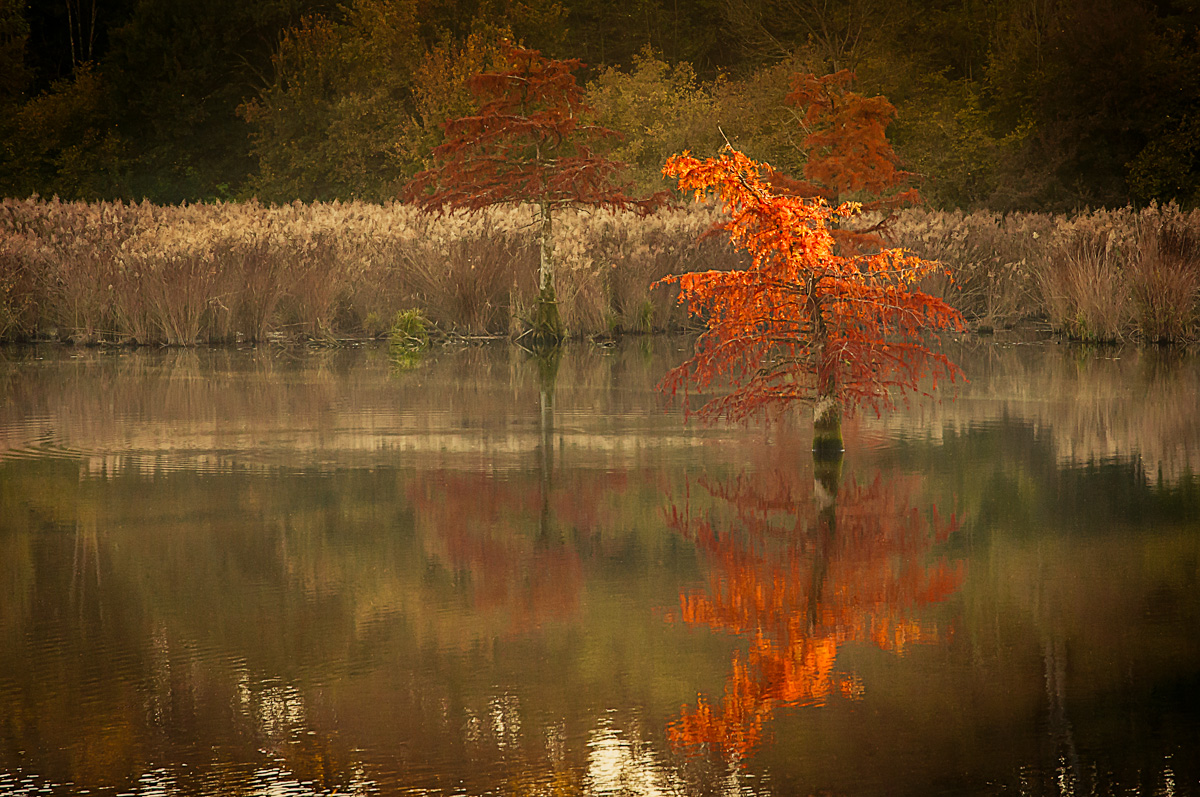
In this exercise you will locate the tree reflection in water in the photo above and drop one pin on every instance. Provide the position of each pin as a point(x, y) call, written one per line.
point(237, 574)
point(801, 572)
point(496, 533)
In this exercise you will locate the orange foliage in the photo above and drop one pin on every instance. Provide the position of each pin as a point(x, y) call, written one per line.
point(801, 322)
point(848, 153)
point(802, 581)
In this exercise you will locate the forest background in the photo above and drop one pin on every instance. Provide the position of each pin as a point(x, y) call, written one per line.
point(182, 172)
point(1046, 105)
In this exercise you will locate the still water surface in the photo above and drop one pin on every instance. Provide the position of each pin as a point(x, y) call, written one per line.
point(273, 573)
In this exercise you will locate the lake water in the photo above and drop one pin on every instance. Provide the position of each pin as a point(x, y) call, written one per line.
point(315, 573)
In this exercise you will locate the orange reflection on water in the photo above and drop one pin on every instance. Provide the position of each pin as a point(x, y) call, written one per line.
point(803, 572)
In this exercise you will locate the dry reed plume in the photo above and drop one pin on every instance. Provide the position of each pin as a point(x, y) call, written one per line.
point(990, 257)
point(1164, 279)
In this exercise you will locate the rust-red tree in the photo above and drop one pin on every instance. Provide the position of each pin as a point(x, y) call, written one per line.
point(848, 155)
point(802, 323)
point(530, 142)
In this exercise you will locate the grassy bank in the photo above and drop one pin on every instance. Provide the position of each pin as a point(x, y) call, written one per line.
point(96, 272)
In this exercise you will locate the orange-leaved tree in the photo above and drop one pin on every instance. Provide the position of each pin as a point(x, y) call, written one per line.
point(802, 323)
point(529, 141)
point(847, 154)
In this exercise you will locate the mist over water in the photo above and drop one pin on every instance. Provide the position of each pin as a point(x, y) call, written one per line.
point(276, 572)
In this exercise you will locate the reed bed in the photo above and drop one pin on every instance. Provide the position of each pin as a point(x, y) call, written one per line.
point(146, 274)
point(1100, 276)
point(229, 272)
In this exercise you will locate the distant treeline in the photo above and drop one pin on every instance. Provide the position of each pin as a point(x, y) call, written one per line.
point(232, 272)
point(1045, 105)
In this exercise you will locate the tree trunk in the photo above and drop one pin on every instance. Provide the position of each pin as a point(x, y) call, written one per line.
point(547, 325)
point(827, 409)
point(827, 427)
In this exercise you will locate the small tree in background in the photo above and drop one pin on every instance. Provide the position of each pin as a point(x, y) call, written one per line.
point(802, 323)
point(528, 142)
point(848, 153)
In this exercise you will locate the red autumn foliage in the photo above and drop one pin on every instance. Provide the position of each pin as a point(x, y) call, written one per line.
point(801, 323)
point(802, 580)
point(529, 141)
point(848, 154)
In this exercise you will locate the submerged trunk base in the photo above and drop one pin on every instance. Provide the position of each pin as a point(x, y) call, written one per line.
point(547, 325)
point(827, 429)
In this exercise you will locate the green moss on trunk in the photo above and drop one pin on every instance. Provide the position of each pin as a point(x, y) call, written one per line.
point(547, 325)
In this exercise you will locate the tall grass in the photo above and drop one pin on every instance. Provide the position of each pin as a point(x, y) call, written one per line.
point(612, 259)
point(1084, 290)
point(471, 274)
point(143, 273)
point(991, 258)
point(1164, 279)
point(1103, 275)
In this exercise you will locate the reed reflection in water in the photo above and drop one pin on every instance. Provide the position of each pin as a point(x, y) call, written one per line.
point(306, 573)
point(1094, 403)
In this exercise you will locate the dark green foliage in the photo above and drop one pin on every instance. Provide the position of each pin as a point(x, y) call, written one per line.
point(179, 70)
point(155, 113)
point(1093, 78)
point(1008, 104)
point(15, 75)
point(607, 34)
point(327, 125)
point(63, 142)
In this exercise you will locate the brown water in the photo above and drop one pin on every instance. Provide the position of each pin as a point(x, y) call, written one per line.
point(273, 573)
